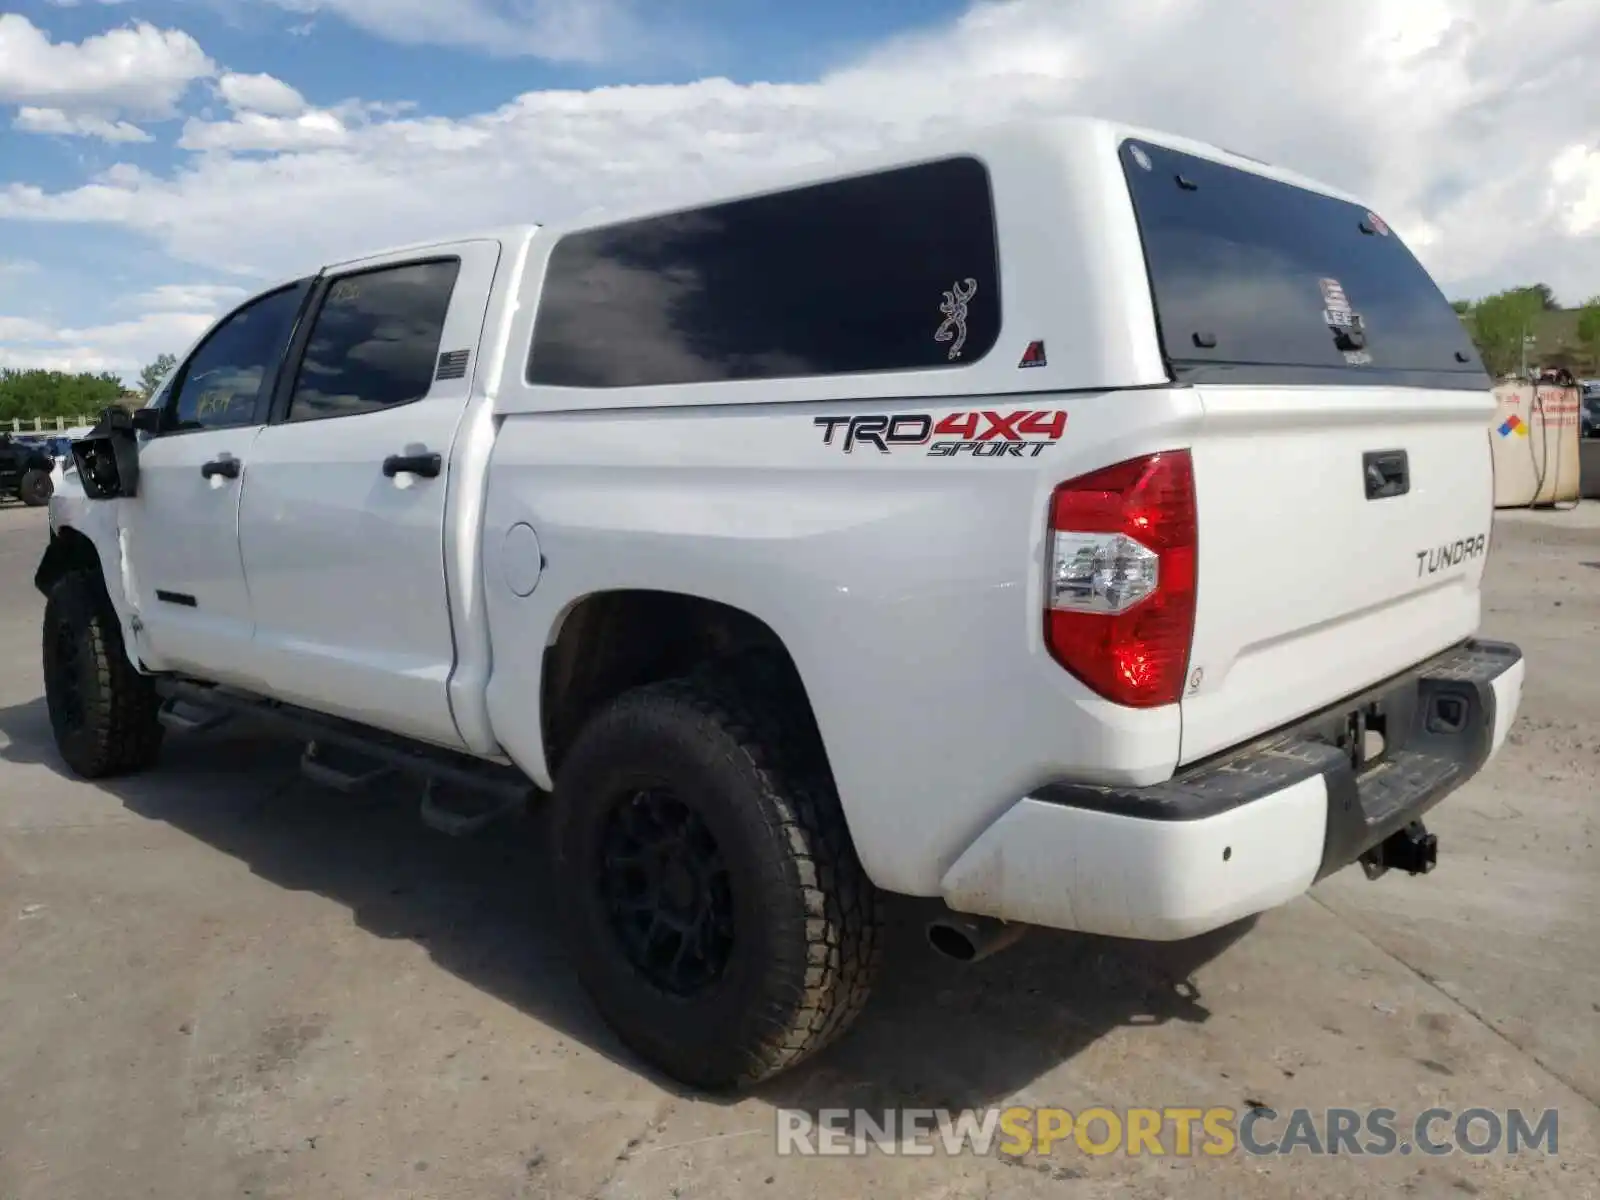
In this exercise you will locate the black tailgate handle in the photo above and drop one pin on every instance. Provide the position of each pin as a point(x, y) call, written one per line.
point(1388, 473)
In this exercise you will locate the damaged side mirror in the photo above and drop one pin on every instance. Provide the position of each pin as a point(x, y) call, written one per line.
point(108, 455)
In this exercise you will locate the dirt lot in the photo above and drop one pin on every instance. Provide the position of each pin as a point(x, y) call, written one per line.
point(217, 980)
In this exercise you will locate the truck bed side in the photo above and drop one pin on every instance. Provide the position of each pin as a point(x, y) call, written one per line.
point(906, 588)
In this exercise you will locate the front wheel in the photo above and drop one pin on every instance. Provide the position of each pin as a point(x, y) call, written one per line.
point(718, 916)
point(36, 488)
point(103, 712)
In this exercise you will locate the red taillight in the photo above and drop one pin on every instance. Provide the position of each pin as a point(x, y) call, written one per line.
point(1120, 595)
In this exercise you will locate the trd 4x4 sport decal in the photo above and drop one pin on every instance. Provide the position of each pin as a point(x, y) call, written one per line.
point(1025, 433)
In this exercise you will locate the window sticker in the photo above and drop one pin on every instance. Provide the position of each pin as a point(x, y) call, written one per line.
point(954, 308)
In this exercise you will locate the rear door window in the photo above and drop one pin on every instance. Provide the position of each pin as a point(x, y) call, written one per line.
point(375, 341)
point(1260, 281)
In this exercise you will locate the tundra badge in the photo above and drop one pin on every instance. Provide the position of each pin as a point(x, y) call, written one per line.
point(1451, 554)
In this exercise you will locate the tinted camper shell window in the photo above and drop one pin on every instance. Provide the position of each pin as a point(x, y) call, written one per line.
point(892, 271)
point(1260, 281)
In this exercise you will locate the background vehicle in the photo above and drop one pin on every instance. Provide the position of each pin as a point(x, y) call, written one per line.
point(25, 471)
point(1591, 408)
point(799, 551)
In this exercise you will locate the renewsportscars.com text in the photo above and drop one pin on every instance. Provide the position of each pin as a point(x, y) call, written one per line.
point(1170, 1131)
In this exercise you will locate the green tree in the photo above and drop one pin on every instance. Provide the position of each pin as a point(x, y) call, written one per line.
point(1547, 298)
point(36, 393)
point(1500, 322)
point(1589, 330)
point(150, 378)
point(1462, 307)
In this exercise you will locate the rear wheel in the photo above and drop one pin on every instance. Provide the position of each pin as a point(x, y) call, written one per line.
point(719, 917)
point(103, 712)
point(36, 488)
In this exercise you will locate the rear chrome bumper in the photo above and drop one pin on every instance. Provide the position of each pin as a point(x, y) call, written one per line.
point(1251, 828)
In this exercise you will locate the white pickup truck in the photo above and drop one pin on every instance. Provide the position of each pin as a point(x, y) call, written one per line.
point(1072, 525)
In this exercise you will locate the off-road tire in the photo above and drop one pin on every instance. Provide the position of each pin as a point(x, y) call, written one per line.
point(36, 488)
point(103, 712)
point(806, 939)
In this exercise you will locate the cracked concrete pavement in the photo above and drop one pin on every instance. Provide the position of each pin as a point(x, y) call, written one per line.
point(217, 980)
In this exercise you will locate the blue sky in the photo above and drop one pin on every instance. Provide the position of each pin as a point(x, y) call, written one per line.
point(162, 158)
point(329, 59)
point(61, 273)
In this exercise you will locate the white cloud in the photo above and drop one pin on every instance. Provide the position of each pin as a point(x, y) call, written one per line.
point(189, 297)
point(269, 116)
point(264, 94)
point(556, 30)
point(139, 70)
point(23, 329)
point(255, 131)
point(122, 347)
point(165, 320)
point(1467, 123)
point(53, 120)
point(1575, 176)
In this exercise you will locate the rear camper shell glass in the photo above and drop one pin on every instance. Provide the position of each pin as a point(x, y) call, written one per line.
point(1259, 281)
point(896, 270)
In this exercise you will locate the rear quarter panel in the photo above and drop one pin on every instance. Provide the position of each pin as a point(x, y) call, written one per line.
point(907, 588)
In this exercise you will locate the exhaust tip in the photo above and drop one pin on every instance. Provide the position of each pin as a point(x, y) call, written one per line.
point(951, 942)
point(972, 939)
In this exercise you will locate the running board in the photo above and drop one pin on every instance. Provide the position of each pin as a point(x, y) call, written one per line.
point(348, 756)
point(338, 768)
point(188, 718)
point(469, 812)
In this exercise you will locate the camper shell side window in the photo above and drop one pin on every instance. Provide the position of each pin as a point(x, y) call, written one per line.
point(896, 270)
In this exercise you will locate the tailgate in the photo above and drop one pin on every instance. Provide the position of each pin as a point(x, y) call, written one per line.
point(1342, 539)
point(1343, 479)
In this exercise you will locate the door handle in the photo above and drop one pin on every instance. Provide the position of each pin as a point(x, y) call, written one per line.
point(228, 468)
point(426, 465)
point(1388, 473)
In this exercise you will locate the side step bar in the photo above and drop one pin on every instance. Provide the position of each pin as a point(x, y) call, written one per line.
point(466, 815)
point(187, 718)
point(348, 756)
point(337, 768)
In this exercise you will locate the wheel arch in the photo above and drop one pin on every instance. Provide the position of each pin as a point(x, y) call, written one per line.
point(607, 642)
point(69, 550)
point(103, 709)
point(96, 549)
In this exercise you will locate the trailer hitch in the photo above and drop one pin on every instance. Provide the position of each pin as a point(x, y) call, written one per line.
point(1413, 850)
